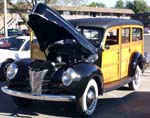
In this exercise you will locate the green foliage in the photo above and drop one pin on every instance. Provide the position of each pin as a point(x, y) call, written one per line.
point(17, 6)
point(97, 4)
point(119, 4)
point(129, 5)
point(138, 6)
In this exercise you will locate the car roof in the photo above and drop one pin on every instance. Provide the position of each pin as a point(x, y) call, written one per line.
point(25, 37)
point(103, 22)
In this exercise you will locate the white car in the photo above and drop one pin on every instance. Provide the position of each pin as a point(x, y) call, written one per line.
point(13, 49)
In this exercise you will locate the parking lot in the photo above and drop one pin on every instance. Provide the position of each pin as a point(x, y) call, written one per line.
point(121, 103)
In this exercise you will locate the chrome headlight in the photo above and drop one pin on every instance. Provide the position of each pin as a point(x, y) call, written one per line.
point(68, 76)
point(12, 70)
point(92, 58)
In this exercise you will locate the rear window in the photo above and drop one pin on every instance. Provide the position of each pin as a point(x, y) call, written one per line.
point(136, 34)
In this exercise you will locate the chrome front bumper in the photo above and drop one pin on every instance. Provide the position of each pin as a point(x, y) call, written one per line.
point(64, 98)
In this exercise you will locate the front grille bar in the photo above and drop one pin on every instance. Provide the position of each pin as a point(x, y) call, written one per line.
point(36, 81)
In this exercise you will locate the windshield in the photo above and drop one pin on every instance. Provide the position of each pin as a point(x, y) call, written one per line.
point(94, 35)
point(11, 43)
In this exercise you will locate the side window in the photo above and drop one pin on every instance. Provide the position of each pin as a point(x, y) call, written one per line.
point(27, 46)
point(92, 35)
point(136, 34)
point(125, 35)
point(112, 37)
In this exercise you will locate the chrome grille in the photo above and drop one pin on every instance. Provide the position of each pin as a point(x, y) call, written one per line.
point(36, 81)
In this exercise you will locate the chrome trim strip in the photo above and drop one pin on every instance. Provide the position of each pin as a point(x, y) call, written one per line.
point(64, 98)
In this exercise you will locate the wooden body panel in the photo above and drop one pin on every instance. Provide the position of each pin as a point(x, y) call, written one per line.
point(110, 63)
point(116, 59)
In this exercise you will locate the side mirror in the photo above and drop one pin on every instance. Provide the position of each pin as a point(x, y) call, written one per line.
point(107, 46)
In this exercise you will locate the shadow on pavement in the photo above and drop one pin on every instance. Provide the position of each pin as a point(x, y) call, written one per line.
point(134, 105)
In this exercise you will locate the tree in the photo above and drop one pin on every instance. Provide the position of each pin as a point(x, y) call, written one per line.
point(129, 5)
point(138, 6)
point(97, 4)
point(17, 6)
point(119, 4)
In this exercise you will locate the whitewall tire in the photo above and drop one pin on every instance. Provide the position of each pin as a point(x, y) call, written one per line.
point(136, 79)
point(87, 103)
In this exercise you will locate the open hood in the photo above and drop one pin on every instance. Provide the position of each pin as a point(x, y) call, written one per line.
point(50, 27)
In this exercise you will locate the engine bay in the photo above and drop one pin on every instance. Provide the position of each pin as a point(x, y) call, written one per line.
point(63, 52)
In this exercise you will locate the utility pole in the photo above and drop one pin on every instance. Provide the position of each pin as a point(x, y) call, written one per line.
point(5, 18)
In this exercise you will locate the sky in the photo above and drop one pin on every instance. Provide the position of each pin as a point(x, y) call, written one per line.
point(111, 3)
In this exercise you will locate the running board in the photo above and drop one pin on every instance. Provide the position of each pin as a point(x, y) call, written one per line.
point(116, 84)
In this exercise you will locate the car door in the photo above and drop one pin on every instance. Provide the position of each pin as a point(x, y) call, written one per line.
point(25, 52)
point(125, 50)
point(111, 56)
point(137, 43)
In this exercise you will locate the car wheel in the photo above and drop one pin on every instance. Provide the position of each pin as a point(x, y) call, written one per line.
point(86, 104)
point(135, 79)
point(22, 102)
point(3, 68)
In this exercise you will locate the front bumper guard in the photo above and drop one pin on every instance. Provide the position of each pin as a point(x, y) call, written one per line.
point(63, 98)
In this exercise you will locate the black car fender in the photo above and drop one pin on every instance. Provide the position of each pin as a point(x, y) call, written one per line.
point(136, 59)
point(87, 72)
point(23, 68)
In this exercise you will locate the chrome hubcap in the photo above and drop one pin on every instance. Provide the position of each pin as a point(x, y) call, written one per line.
point(91, 98)
point(137, 77)
point(90, 95)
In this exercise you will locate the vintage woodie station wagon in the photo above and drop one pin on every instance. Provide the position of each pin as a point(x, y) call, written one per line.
point(82, 59)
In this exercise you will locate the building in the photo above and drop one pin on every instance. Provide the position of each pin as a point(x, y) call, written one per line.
point(81, 11)
point(68, 12)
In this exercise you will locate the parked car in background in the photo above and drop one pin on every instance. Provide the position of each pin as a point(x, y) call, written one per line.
point(84, 59)
point(15, 32)
point(146, 31)
point(1, 36)
point(26, 32)
point(12, 33)
point(11, 49)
